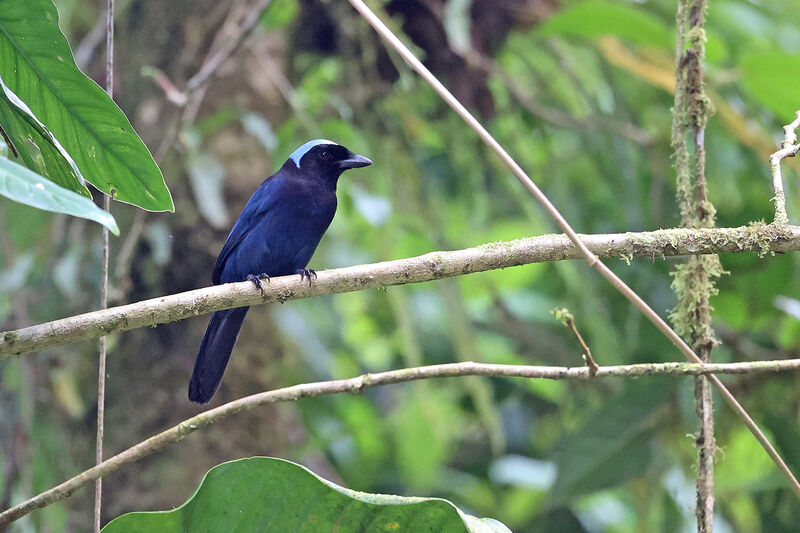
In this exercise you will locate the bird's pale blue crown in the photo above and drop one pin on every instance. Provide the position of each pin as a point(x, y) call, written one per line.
point(298, 154)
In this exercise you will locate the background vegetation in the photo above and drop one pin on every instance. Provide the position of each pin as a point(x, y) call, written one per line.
point(580, 93)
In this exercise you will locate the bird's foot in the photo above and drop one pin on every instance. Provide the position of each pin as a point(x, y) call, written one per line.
point(306, 273)
point(256, 280)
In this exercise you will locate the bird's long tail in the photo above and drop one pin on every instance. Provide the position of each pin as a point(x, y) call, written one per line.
point(214, 353)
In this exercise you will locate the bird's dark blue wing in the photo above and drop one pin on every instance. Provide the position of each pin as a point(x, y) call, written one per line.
point(256, 208)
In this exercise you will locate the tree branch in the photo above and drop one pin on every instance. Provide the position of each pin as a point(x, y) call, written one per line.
point(760, 238)
point(789, 148)
point(229, 44)
point(356, 385)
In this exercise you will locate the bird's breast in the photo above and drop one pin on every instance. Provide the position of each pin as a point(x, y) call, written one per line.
point(284, 238)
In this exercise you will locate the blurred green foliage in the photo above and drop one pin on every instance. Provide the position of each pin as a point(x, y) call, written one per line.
point(583, 103)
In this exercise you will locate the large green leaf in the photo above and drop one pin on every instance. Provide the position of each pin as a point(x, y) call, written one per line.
point(38, 149)
point(612, 445)
point(773, 79)
point(36, 63)
point(262, 494)
point(745, 465)
point(595, 18)
point(27, 187)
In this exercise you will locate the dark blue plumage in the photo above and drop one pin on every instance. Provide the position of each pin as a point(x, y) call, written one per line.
point(276, 235)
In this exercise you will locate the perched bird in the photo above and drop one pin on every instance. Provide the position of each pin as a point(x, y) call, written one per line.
point(276, 235)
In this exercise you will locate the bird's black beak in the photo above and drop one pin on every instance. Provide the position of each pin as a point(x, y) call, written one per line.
point(355, 161)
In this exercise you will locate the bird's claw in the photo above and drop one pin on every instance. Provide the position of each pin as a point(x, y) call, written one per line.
point(306, 273)
point(256, 280)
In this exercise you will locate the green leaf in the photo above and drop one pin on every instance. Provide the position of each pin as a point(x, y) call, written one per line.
point(26, 187)
point(745, 466)
point(262, 494)
point(558, 520)
point(773, 79)
point(423, 436)
point(595, 18)
point(36, 63)
point(37, 147)
point(716, 49)
point(612, 445)
point(279, 14)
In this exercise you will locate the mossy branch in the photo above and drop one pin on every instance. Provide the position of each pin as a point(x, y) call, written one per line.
point(695, 281)
point(759, 238)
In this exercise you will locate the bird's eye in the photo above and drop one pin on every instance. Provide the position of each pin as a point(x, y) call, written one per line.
point(324, 155)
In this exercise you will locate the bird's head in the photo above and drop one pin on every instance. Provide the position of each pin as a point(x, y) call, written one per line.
point(326, 159)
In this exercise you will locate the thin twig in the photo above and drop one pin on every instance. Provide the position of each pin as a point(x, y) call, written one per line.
point(172, 93)
point(358, 384)
point(789, 148)
point(86, 48)
point(101, 377)
point(8, 141)
point(227, 39)
point(123, 258)
point(213, 63)
point(273, 73)
point(101, 367)
point(428, 267)
point(680, 149)
point(587, 353)
point(590, 258)
point(565, 317)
